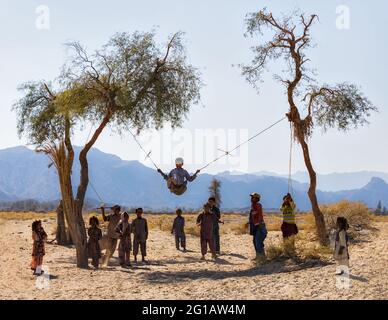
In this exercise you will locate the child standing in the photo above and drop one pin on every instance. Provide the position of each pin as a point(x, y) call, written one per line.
point(124, 229)
point(178, 228)
point(39, 237)
point(140, 235)
point(341, 253)
point(95, 235)
point(289, 227)
point(205, 221)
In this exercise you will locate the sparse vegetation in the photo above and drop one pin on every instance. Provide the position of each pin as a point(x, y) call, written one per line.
point(357, 214)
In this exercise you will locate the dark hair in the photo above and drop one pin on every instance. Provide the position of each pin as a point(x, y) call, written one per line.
point(95, 220)
point(178, 211)
point(35, 225)
point(212, 198)
point(116, 207)
point(342, 223)
point(125, 214)
point(139, 210)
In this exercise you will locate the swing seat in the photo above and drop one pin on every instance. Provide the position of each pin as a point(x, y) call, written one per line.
point(176, 189)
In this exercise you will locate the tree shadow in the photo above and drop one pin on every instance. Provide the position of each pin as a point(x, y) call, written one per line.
point(282, 266)
point(235, 255)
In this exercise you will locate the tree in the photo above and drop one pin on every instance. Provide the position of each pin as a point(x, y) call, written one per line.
point(379, 208)
point(341, 106)
point(131, 83)
point(214, 190)
point(384, 211)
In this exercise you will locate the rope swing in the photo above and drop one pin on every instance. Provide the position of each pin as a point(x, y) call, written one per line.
point(225, 153)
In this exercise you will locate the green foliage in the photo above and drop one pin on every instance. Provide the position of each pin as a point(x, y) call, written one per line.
point(132, 82)
point(37, 114)
point(132, 77)
point(341, 107)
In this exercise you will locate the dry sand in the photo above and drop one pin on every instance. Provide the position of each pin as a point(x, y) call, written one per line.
point(177, 275)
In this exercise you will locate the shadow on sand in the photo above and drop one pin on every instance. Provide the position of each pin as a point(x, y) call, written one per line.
point(281, 266)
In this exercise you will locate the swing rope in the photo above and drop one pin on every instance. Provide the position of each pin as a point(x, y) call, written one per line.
point(226, 153)
point(290, 189)
point(90, 181)
point(148, 154)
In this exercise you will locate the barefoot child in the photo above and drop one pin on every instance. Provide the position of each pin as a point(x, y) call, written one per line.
point(95, 235)
point(341, 253)
point(39, 237)
point(124, 230)
point(178, 228)
point(112, 235)
point(205, 221)
point(140, 235)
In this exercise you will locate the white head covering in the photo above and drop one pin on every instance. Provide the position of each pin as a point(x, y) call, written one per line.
point(179, 161)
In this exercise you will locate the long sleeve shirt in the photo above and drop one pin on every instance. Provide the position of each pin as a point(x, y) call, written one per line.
point(179, 175)
point(178, 227)
point(205, 219)
point(114, 220)
point(140, 230)
point(256, 214)
point(216, 216)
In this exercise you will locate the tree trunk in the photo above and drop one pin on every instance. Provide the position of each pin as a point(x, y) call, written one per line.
point(319, 219)
point(61, 235)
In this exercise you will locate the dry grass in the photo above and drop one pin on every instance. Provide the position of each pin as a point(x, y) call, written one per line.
point(23, 216)
point(379, 218)
point(358, 215)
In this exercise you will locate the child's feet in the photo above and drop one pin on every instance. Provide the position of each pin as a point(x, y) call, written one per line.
point(214, 256)
point(184, 250)
point(203, 258)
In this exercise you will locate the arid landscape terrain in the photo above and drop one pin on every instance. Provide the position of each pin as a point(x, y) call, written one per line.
point(172, 274)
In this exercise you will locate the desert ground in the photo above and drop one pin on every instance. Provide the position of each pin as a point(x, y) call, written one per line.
point(172, 274)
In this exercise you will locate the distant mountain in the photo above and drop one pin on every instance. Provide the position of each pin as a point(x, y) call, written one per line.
point(24, 174)
point(341, 181)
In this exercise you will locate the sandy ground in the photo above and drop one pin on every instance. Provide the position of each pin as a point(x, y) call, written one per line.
point(172, 274)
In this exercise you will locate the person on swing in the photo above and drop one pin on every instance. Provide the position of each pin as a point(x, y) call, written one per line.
point(178, 177)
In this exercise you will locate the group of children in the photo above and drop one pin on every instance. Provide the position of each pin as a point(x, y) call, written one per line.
point(121, 229)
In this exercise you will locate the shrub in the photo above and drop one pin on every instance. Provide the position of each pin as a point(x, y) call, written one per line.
point(357, 214)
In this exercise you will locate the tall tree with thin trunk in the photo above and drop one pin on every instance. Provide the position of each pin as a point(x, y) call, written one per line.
point(214, 190)
point(131, 83)
point(342, 105)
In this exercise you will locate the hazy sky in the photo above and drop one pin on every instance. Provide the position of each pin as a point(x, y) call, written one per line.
point(230, 108)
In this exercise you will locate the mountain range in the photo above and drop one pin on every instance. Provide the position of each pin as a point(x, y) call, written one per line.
point(25, 174)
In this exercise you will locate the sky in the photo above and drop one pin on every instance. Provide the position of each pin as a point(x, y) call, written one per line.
point(354, 49)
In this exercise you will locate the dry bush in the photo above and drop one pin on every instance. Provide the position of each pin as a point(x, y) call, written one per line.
point(273, 250)
point(238, 228)
point(305, 221)
point(273, 222)
point(357, 214)
point(194, 230)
